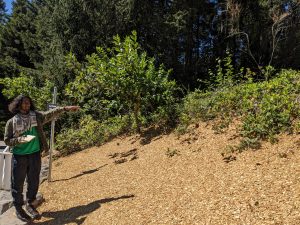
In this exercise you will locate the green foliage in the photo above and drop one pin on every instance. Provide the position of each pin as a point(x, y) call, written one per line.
point(247, 143)
point(122, 80)
point(268, 72)
point(90, 132)
point(41, 94)
point(226, 75)
point(18, 42)
point(87, 134)
point(2, 12)
point(186, 36)
point(265, 108)
point(224, 72)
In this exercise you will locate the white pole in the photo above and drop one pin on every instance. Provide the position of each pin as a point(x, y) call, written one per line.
point(5, 169)
point(2, 171)
point(52, 137)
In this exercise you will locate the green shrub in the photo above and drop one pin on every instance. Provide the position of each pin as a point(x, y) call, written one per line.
point(265, 109)
point(89, 133)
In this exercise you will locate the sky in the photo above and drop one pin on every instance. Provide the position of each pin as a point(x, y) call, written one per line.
point(8, 5)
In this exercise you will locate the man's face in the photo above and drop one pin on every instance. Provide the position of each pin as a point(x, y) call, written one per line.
point(25, 106)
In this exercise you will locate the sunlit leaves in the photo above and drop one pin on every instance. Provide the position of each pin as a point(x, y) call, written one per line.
point(121, 80)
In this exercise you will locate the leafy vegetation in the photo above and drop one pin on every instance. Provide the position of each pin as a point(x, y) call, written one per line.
point(123, 80)
point(225, 55)
point(265, 108)
point(89, 133)
point(41, 94)
point(122, 88)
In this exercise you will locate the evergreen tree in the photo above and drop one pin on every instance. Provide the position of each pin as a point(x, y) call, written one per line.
point(19, 50)
point(186, 36)
point(3, 15)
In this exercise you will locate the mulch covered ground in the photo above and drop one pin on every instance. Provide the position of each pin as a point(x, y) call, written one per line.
point(168, 179)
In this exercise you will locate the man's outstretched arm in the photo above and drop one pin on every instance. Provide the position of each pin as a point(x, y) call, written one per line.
point(49, 115)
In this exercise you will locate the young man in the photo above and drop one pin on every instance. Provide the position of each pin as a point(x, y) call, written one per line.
point(27, 123)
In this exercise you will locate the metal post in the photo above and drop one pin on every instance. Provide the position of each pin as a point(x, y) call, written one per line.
point(52, 137)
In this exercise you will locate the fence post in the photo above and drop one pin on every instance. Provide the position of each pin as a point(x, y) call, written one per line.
point(52, 136)
point(5, 169)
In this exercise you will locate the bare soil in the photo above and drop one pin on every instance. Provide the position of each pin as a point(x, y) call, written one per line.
point(166, 179)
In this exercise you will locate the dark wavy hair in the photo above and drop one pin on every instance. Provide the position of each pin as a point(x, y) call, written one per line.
point(14, 106)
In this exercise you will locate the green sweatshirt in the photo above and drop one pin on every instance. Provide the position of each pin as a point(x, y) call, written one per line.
point(29, 147)
point(42, 118)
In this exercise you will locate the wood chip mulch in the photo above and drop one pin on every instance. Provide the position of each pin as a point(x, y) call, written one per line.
point(176, 180)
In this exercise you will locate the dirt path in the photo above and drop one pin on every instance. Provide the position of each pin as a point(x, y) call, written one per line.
point(173, 180)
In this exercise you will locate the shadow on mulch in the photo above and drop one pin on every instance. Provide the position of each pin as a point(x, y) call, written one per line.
point(153, 133)
point(81, 174)
point(76, 214)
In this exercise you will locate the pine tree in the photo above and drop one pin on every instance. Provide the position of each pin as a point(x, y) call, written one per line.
point(3, 15)
point(18, 43)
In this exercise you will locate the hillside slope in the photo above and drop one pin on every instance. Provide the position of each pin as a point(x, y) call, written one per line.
point(176, 180)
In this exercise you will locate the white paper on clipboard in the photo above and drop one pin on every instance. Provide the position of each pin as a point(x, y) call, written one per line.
point(27, 138)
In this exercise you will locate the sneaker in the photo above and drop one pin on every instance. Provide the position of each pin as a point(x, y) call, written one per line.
point(33, 212)
point(22, 215)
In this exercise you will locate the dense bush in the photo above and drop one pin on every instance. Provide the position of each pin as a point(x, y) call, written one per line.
point(90, 132)
point(265, 109)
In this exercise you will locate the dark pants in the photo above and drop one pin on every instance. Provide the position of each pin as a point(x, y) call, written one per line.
point(25, 165)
